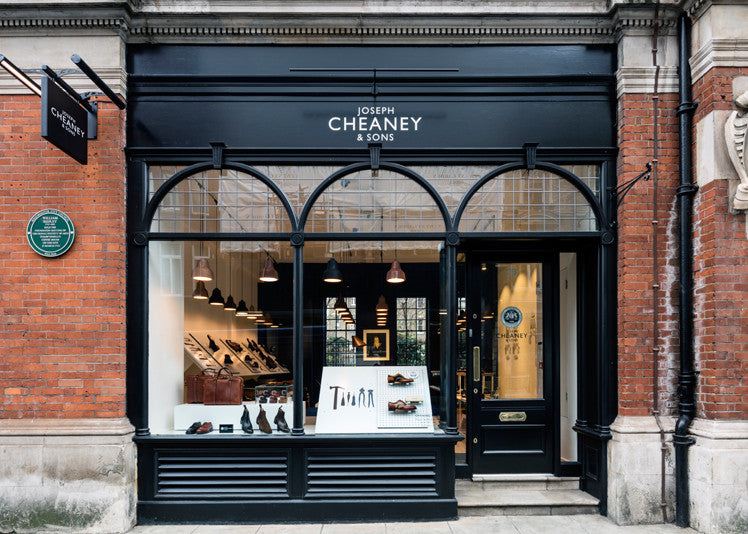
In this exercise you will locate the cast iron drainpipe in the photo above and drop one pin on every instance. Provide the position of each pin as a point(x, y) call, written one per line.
point(686, 192)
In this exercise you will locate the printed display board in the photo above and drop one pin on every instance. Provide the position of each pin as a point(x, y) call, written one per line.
point(355, 400)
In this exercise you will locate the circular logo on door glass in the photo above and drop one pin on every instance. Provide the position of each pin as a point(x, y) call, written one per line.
point(511, 317)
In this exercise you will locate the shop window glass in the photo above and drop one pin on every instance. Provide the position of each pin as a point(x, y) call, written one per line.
point(528, 201)
point(189, 335)
point(339, 333)
point(364, 203)
point(219, 201)
point(412, 314)
point(392, 329)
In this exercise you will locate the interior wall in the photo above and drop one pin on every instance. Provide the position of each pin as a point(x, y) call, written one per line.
point(568, 354)
point(166, 327)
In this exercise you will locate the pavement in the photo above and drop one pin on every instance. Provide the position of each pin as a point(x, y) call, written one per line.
point(547, 524)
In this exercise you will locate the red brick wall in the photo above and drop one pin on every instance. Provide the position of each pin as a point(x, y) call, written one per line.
point(635, 264)
point(62, 338)
point(720, 279)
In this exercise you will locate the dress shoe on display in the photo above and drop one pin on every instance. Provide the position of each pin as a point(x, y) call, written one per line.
point(280, 421)
point(263, 399)
point(212, 344)
point(273, 399)
point(193, 428)
point(205, 428)
point(400, 407)
point(398, 379)
point(282, 399)
point(246, 423)
point(233, 345)
point(227, 360)
point(262, 422)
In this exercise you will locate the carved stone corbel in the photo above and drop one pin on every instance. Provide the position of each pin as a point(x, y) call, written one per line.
point(735, 138)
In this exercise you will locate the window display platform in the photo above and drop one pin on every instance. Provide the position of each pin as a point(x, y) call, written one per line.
point(234, 478)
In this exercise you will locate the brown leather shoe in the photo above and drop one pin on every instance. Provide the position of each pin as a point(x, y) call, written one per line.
point(262, 422)
point(398, 379)
point(400, 407)
point(205, 428)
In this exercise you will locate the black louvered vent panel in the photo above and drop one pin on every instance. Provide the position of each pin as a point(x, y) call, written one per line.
point(209, 476)
point(371, 475)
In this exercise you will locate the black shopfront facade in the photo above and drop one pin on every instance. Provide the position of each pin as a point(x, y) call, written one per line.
point(484, 171)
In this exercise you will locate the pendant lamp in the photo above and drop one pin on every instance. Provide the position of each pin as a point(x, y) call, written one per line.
point(357, 342)
point(487, 313)
point(200, 293)
point(230, 304)
point(382, 308)
point(253, 313)
point(268, 272)
point(267, 320)
point(396, 274)
point(340, 304)
point(216, 299)
point(241, 309)
point(202, 271)
point(332, 272)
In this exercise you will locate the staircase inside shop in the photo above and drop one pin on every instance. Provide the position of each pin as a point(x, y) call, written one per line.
point(522, 494)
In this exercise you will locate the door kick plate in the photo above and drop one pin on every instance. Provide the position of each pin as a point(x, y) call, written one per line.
point(512, 417)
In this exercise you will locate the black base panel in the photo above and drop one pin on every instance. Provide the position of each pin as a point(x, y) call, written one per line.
point(295, 511)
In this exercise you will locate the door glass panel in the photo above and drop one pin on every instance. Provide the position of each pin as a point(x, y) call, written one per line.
point(512, 331)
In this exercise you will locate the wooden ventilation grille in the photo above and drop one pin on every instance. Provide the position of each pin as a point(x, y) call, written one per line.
point(371, 476)
point(222, 477)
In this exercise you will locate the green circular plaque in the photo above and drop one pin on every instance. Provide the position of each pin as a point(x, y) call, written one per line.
point(50, 233)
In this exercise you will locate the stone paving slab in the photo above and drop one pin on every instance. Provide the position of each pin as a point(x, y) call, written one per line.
point(562, 524)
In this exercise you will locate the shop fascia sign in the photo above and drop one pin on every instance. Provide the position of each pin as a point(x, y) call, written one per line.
point(375, 124)
point(69, 120)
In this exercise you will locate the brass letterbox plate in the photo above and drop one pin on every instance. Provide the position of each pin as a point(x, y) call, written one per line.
point(512, 417)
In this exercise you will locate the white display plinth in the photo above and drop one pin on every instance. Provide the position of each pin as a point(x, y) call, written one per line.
point(186, 414)
point(353, 400)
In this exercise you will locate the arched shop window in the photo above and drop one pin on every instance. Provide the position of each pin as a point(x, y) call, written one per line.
point(524, 200)
point(371, 239)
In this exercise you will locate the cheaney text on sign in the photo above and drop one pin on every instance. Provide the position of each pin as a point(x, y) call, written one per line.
point(374, 123)
point(67, 122)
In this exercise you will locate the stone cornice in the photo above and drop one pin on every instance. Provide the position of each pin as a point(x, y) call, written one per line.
point(719, 53)
point(374, 21)
point(65, 427)
point(641, 80)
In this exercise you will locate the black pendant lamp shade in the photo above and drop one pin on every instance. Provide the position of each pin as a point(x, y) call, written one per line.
point(202, 271)
point(395, 275)
point(340, 305)
point(216, 299)
point(252, 313)
point(268, 272)
point(332, 272)
point(201, 292)
point(241, 309)
point(230, 304)
point(382, 308)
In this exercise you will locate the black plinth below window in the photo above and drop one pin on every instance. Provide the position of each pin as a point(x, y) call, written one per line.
point(275, 479)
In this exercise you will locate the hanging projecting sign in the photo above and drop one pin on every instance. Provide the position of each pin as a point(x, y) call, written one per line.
point(50, 233)
point(64, 121)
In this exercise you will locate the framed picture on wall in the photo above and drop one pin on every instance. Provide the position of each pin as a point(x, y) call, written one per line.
point(377, 347)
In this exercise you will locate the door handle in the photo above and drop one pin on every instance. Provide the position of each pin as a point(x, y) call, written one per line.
point(476, 363)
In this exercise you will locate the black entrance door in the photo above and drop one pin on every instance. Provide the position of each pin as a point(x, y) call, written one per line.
point(511, 328)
